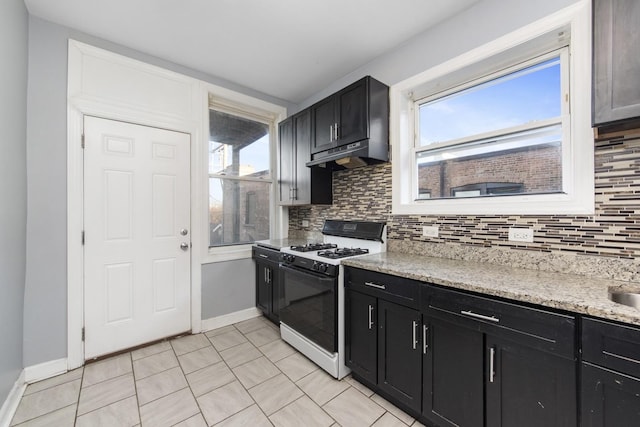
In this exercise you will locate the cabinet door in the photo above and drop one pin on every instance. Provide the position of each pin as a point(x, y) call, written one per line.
point(263, 287)
point(453, 375)
point(400, 353)
point(302, 127)
point(609, 399)
point(616, 60)
point(274, 284)
point(323, 118)
point(361, 335)
point(526, 387)
point(286, 165)
point(353, 113)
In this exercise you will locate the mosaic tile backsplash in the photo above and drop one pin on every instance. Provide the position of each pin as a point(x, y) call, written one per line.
point(606, 244)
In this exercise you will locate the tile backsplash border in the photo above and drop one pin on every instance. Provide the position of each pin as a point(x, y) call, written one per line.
point(606, 244)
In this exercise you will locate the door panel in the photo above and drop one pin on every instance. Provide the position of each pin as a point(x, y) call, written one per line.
point(361, 335)
point(137, 199)
point(453, 375)
point(400, 353)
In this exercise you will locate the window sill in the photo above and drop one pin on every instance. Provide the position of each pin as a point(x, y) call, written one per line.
point(227, 253)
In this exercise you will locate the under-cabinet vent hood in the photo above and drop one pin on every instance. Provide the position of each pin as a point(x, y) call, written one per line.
point(351, 156)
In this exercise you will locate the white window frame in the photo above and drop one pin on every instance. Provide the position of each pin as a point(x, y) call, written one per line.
point(527, 42)
point(253, 109)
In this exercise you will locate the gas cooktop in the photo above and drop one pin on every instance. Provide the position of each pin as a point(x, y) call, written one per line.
point(342, 253)
point(311, 247)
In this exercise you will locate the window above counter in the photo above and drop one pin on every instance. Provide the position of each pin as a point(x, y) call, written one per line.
point(502, 129)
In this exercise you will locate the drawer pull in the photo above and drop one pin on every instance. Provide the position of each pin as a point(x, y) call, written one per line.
point(375, 285)
point(480, 316)
point(263, 256)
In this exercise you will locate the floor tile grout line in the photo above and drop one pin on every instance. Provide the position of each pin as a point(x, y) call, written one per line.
point(54, 385)
point(135, 388)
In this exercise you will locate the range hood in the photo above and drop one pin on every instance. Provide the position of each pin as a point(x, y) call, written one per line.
point(351, 156)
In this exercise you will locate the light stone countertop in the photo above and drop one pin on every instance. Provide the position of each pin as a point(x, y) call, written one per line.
point(574, 293)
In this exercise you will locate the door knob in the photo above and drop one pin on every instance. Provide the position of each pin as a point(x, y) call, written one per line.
point(184, 246)
point(184, 231)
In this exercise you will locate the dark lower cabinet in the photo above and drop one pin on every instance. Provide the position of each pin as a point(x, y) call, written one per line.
point(610, 374)
point(361, 332)
point(526, 387)
point(267, 282)
point(453, 375)
point(609, 398)
point(399, 353)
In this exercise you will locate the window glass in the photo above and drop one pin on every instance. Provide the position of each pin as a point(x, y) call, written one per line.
point(239, 179)
point(499, 136)
point(521, 97)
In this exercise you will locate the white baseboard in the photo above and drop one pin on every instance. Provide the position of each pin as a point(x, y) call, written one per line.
point(13, 399)
point(45, 370)
point(229, 319)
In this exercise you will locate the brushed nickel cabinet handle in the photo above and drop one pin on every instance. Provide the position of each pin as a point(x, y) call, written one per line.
point(415, 341)
point(375, 285)
point(492, 356)
point(425, 339)
point(370, 316)
point(480, 316)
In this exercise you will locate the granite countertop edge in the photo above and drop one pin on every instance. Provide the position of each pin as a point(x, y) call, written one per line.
point(569, 292)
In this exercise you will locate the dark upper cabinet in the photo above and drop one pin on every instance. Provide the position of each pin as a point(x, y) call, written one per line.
point(610, 374)
point(352, 114)
point(616, 61)
point(299, 184)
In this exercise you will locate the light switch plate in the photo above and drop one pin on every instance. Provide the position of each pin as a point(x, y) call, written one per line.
point(521, 235)
point(305, 222)
point(430, 230)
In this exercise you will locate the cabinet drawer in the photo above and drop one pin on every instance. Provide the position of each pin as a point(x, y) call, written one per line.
point(391, 288)
point(545, 330)
point(611, 345)
point(265, 254)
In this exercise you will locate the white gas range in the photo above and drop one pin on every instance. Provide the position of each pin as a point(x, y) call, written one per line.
point(312, 290)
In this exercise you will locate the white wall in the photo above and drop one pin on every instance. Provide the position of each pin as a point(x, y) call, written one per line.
point(481, 23)
point(13, 187)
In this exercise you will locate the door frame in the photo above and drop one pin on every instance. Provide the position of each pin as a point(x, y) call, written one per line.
point(75, 226)
point(80, 104)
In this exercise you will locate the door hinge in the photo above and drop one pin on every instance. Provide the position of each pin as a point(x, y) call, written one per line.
point(83, 334)
point(82, 141)
point(82, 238)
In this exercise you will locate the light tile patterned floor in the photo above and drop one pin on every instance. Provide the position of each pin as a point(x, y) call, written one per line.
point(239, 375)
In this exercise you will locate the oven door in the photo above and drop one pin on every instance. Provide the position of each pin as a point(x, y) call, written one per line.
point(308, 302)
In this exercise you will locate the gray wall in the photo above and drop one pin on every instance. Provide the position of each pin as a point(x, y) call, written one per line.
point(481, 23)
point(45, 319)
point(13, 187)
point(228, 287)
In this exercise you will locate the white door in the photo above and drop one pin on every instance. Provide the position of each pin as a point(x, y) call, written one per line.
point(137, 235)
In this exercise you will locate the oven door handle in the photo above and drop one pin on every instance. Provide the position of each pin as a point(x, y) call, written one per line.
point(303, 272)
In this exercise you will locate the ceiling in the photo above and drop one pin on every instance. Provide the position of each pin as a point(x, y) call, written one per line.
point(289, 49)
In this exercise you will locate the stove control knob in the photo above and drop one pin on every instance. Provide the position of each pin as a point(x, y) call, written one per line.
point(322, 268)
point(288, 257)
point(316, 266)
